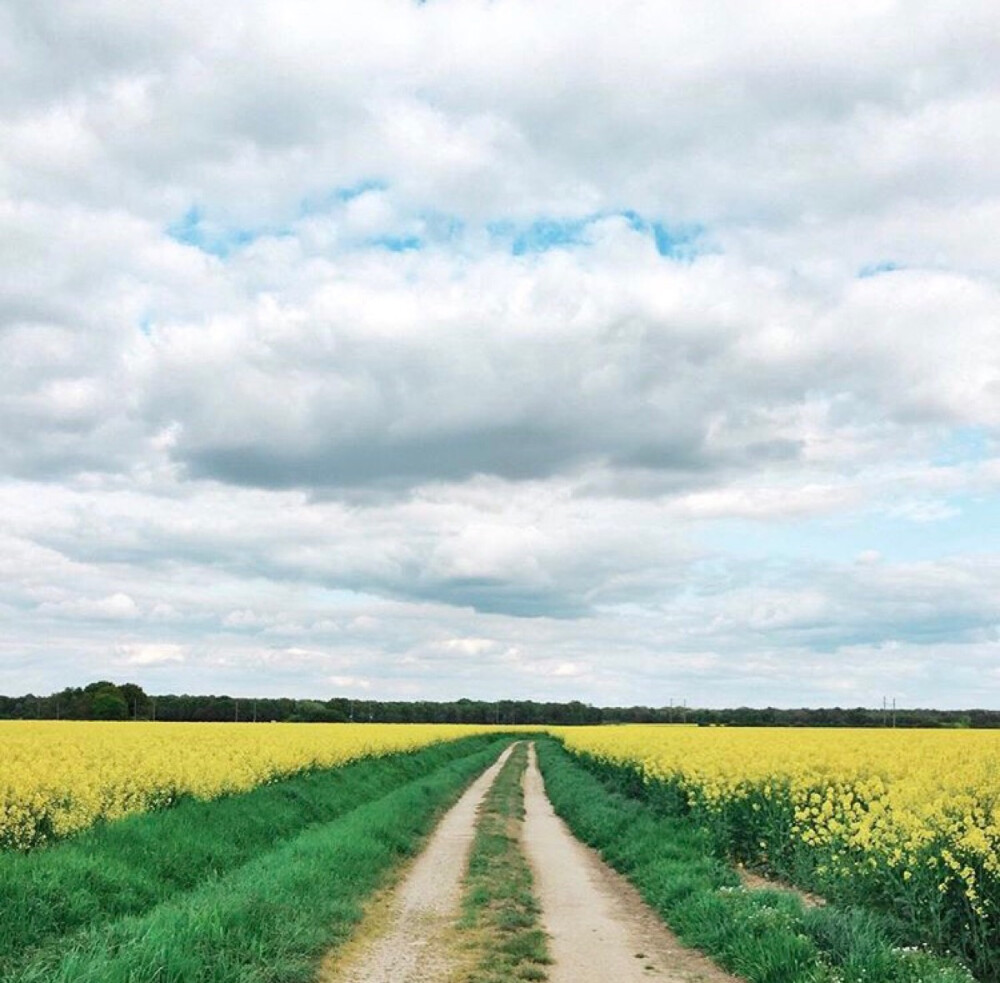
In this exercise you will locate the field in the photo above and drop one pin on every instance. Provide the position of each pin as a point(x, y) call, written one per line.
point(905, 822)
point(202, 851)
point(249, 886)
point(61, 777)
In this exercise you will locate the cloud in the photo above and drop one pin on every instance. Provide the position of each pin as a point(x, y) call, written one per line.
point(114, 607)
point(149, 654)
point(349, 683)
point(652, 375)
point(438, 348)
point(469, 646)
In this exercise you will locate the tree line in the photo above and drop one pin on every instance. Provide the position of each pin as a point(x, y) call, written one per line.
point(104, 700)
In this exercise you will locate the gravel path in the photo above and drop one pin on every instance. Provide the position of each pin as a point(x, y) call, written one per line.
point(600, 928)
point(411, 940)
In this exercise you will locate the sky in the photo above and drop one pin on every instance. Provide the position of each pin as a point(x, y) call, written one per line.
point(628, 352)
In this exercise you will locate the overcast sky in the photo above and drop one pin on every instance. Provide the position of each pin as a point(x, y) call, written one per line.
point(630, 352)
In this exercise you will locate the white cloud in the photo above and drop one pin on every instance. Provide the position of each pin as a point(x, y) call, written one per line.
point(149, 654)
point(458, 346)
point(349, 683)
point(924, 511)
point(114, 607)
point(469, 646)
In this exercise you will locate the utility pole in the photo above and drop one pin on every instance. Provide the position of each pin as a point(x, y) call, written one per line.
point(236, 703)
point(884, 711)
point(255, 711)
point(894, 713)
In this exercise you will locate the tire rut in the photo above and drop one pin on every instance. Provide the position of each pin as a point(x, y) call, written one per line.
point(600, 928)
point(409, 936)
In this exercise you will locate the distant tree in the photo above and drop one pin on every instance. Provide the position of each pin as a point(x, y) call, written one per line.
point(314, 712)
point(108, 704)
point(135, 699)
point(107, 701)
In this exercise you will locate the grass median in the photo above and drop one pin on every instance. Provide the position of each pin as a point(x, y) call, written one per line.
point(500, 907)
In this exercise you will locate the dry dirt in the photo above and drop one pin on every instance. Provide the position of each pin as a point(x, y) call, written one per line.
point(757, 882)
point(600, 928)
point(408, 935)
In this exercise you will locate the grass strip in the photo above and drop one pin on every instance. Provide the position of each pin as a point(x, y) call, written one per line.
point(172, 866)
point(762, 936)
point(499, 903)
point(917, 902)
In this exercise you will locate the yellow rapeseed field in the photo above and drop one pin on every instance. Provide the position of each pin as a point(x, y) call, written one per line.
point(58, 777)
point(911, 818)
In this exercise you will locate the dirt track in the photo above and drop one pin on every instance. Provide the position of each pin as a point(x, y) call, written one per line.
point(406, 939)
point(600, 929)
point(599, 926)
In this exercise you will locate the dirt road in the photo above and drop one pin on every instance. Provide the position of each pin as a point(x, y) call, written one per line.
point(600, 929)
point(599, 926)
point(407, 938)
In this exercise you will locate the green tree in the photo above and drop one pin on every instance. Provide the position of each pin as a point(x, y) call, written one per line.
point(108, 704)
point(135, 699)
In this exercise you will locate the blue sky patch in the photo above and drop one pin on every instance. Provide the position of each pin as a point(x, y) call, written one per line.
point(964, 445)
point(323, 202)
point(545, 234)
point(680, 243)
point(875, 269)
point(964, 529)
point(397, 244)
point(193, 230)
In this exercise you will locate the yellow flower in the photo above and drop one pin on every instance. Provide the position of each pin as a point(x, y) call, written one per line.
point(58, 777)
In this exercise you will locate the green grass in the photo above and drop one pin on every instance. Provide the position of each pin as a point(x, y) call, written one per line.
point(499, 901)
point(253, 887)
point(762, 936)
point(923, 903)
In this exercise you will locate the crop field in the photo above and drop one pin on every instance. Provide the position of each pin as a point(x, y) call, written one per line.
point(58, 778)
point(907, 822)
point(255, 884)
point(183, 852)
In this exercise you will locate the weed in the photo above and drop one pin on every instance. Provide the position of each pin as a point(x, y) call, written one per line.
point(499, 904)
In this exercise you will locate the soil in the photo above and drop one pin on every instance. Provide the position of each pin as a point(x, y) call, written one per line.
point(757, 882)
point(600, 927)
point(408, 935)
